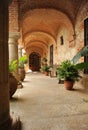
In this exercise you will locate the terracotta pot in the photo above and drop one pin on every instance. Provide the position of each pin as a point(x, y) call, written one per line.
point(68, 84)
point(21, 72)
point(46, 73)
point(13, 83)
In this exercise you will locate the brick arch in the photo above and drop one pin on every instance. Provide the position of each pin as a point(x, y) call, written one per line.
point(28, 13)
point(46, 27)
point(32, 49)
point(54, 4)
point(82, 13)
point(37, 43)
point(38, 36)
point(50, 26)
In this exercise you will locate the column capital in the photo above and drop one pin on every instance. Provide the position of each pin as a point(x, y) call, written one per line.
point(13, 37)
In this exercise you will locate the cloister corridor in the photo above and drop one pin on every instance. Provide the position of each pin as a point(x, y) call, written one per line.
point(43, 104)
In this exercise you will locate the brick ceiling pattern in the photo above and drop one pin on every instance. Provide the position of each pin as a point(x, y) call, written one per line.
point(41, 20)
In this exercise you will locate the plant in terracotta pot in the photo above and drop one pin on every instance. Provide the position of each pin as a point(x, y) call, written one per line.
point(45, 69)
point(12, 66)
point(22, 61)
point(13, 83)
point(69, 73)
point(68, 70)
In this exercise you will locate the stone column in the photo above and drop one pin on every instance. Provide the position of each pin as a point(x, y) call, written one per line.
point(19, 52)
point(6, 121)
point(13, 49)
point(4, 89)
point(13, 46)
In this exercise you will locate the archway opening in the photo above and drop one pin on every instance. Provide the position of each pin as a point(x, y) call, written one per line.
point(34, 61)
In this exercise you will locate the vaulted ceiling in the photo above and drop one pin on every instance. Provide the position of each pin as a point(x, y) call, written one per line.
point(41, 20)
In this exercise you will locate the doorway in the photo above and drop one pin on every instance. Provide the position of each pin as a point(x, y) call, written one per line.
point(51, 55)
point(34, 61)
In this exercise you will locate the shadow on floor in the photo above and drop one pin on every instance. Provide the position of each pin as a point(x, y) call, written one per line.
point(17, 99)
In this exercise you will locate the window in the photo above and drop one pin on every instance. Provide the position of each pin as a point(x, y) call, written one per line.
point(61, 40)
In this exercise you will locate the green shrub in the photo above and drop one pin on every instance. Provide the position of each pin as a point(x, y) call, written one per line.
point(22, 60)
point(12, 66)
point(68, 71)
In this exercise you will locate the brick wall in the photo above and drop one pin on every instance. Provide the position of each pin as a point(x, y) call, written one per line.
point(13, 16)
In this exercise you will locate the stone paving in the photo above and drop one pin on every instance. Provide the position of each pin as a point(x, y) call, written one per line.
point(43, 104)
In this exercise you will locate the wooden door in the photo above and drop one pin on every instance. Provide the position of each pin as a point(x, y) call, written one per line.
point(86, 41)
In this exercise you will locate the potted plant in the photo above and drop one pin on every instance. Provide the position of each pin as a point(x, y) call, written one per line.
point(44, 61)
point(69, 73)
point(45, 69)
point(12, 66)
point(22, 61)
point(13, 83)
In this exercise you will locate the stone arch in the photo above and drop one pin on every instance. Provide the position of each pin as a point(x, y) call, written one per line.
point(45, 28)
point(37, 43)
point(54, 4)
point(50, 33)
point(42, 39)
point(38, 34)
point(34, 49)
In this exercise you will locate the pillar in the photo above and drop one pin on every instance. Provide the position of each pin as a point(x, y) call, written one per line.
point(13, 49)
point(13, 46)
point(6, 121)
point(20, 51)
point(4, 89)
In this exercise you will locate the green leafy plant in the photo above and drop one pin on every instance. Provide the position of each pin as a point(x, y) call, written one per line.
point(22, 60)
point(45, 68)
point(12, 66)
point(68, 71)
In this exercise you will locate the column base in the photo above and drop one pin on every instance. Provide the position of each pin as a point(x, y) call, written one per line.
point(13, 123)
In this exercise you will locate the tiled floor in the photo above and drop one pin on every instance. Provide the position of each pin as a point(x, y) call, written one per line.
point(43, 104)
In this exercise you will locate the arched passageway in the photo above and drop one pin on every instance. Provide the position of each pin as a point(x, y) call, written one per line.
point(34, 61)
point(50, 31)
point(46, 28)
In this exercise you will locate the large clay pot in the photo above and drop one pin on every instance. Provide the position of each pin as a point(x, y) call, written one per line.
point(21, 72)
point(12, 84)
point(68, 84)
